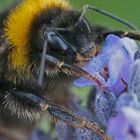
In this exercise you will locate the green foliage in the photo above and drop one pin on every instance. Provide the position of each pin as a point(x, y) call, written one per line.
point(128, 10)
point(4, 3)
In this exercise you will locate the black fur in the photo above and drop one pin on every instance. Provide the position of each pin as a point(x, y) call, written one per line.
point(56, 82)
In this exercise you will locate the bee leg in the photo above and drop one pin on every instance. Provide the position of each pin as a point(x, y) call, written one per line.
point(58, 112)
point(65, 115)
point(75, 71)
point(134, 35)
point(56, 40)
point(100, 34)
point(42, 65)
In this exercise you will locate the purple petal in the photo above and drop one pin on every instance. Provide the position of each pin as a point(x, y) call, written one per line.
point(128, 99)
point(38, 134)
point(105, 104)
point(94, 67)
point(130, 46)
point(82, 82)
point(118, 56)
point(118, 59)
point(125, 126)
point(116, 125)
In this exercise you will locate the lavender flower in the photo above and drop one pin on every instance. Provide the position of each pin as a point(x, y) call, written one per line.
point(105, 107)
point(85, 134)
point(135, 82)
point(114, 66)
point(128, 107)
point(65, 132)
point(132, 97)
point(126, 125)
point(128, 99)
point(38, 134)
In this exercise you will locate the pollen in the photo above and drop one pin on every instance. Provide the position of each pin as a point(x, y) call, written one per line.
point(18, 27)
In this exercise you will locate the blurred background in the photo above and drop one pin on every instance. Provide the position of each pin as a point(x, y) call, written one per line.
point(128, 10)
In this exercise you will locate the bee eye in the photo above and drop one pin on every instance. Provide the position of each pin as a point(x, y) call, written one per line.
point(56, 42)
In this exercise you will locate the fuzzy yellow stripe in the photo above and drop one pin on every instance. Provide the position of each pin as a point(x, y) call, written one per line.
point(18, 27)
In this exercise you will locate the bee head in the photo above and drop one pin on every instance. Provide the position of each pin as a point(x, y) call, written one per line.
point(69, 41)
point(38, 24)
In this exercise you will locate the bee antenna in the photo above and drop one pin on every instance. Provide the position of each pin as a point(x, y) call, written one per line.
point(86, 7)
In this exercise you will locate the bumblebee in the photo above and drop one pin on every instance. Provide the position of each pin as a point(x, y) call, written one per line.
point(25, 29)
point(43, 46)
